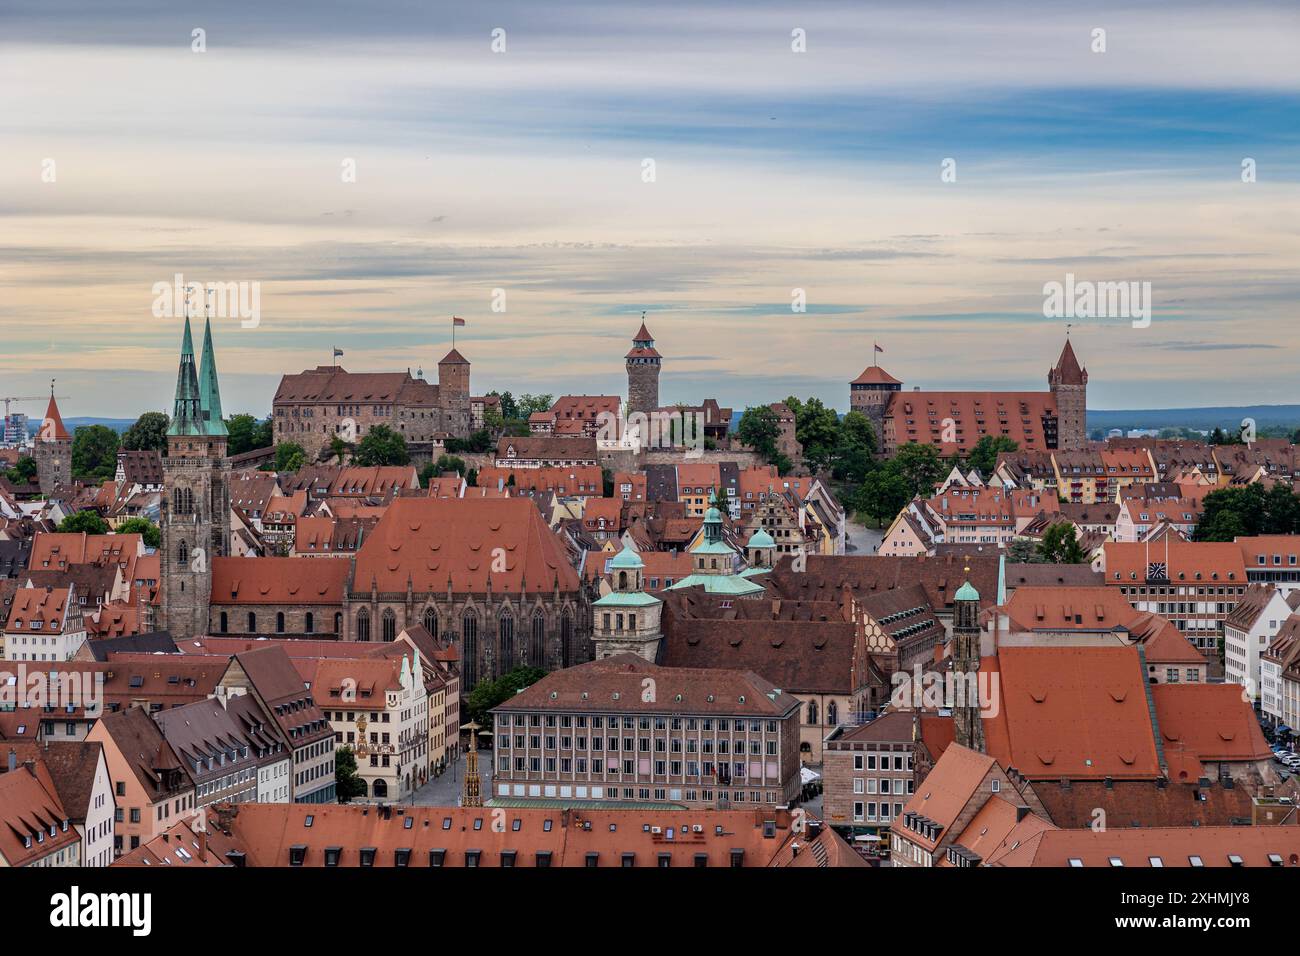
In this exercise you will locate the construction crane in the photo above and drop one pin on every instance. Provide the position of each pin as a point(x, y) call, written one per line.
point(27, 398)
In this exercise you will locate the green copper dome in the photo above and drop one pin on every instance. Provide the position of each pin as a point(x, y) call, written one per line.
point(713, 516)
point(627, 560)
point(967, 593)
point(761, 539)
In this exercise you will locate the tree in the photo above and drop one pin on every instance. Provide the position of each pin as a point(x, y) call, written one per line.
point(882, 495)
point(855, 457)
point(339, 449)
point(1060, 545)
point(532, 403)
point(508, 407)
point(246, 433)
point(143, 527)
point(984, 456)
point(1023, 551)
point(817, 428)
point(289, 456)
point(381, 446)
point(88, 521)
point(347, 784)
point(1248, 508)
point(759, 429)
point(23, 472)
point(94, 453)
point(149, 433)
point(492, 693)
point(920, 466)
point(445, 463)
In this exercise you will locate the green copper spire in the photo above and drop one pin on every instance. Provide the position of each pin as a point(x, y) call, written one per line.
point(214, 422)
point(187, 416)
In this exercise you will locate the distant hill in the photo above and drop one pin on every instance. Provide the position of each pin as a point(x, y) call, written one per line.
point(118, 425)
point(1222, 416)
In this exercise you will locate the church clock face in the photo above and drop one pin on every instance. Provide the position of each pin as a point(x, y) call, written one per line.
point(1157, 571)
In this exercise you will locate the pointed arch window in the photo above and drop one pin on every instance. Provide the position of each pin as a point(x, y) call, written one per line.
point(431, 620)
point(363, 625)
point(537, 644)
point(566, 639)
point(390, 625)
point(469, 651)
point(505, 642)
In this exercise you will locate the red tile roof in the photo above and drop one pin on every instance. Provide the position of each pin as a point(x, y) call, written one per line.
point(1189, 562)
point(52, 427)
point(31, 812)
point(49, 607)
point(1213, 721)
point(946, 791)
point(1174, 846)
point(269, 832)
point(466, 541)
point(875, 375)
point(1077, 712)
point(277, 581)
point(618, 683)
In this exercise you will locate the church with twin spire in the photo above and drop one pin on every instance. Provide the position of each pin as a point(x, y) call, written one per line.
point(195, 506)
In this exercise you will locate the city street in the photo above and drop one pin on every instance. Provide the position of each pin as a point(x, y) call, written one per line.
point(444, 791)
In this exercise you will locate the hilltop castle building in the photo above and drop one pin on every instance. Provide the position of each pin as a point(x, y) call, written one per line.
point(314, 406)
point(953, 422)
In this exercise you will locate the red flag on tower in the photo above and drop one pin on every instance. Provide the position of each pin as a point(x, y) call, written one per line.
point(457, 320)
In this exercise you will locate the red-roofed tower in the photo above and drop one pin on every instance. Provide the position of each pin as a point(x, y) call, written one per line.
point(1068, 382)
point(643, 365)
point(53, 451)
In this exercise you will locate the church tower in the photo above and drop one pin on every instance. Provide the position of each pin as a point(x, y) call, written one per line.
point(627, 619)
point(53, 451)
point(643, 364)
point(195, 506)
point(1068, 382)
point(965, 656)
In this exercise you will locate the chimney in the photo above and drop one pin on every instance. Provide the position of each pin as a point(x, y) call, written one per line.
point(30, 766)
point(13, 760)
point(203, 845)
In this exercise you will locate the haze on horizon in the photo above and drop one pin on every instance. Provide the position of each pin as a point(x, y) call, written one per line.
point(774, 171)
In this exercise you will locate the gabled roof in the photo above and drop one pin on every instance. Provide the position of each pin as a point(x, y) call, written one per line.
point(465, 542)
point(30, 811)
point(1076, 711)
point(71, 765)
point(946, 790)
point(1211, 721)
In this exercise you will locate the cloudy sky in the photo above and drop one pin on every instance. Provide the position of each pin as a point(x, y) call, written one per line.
point(524, 171)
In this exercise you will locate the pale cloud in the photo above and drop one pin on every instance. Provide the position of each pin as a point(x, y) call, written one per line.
point(775, 172)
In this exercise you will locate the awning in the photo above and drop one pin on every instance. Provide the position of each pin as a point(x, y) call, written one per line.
point(808, 776)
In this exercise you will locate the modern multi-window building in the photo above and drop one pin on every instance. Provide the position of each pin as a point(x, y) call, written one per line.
point(623, 729)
